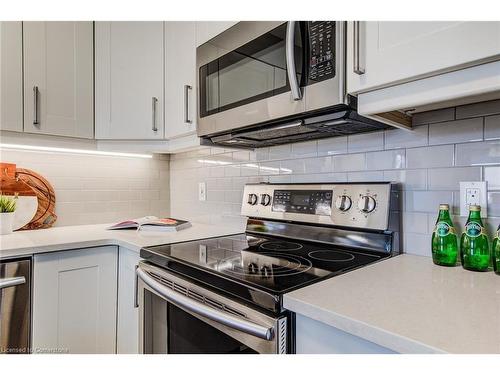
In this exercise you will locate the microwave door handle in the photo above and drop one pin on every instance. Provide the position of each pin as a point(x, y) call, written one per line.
point(12, 281)
point(199, 308)
point(290, 61)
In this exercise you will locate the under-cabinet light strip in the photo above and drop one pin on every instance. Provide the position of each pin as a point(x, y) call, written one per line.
point(73, 151)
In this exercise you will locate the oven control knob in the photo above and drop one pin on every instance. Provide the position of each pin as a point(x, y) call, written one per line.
point(253, 268)
point(367, 204)
point(252, 199)
point(265, 199)
point(343, 203)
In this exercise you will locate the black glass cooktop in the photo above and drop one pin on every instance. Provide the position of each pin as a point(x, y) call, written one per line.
point(254, 263)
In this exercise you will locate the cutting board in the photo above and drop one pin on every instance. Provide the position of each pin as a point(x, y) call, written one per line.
point(45, 215)
point(26, 199)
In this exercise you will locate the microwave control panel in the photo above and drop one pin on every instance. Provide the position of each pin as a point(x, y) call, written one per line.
point(322, 50)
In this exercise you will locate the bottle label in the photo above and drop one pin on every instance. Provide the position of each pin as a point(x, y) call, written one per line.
point(474, 229)
point(443, 229)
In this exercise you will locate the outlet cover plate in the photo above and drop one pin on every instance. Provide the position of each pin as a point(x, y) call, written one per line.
point(473, 192)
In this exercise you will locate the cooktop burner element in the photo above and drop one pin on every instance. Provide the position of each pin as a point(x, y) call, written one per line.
point(269, 265)
point(281, 245)
point(331, 256)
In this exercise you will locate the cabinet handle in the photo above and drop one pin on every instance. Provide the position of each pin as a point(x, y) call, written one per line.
point(186, 104)
point(290, 61)
point(136, 289)
point(358, 67)
point(35, 106)
point(154, 101)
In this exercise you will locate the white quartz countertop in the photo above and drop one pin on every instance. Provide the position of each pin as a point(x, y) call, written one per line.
point(409, 305)
point(81, 236)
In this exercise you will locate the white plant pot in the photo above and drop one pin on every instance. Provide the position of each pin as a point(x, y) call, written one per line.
point(6, 220)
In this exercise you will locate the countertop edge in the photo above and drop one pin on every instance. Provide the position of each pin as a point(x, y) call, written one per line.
point(108, 240)
point(387, 339)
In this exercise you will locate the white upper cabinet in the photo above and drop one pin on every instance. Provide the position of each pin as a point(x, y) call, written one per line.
point(129, 80)
point(395, 52)
point(11, 76)
point(58, 78)
point(206, 30)
point(180, 79)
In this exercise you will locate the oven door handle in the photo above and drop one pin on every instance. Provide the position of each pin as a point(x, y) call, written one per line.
point(191, 305)
point(12, 281)
point(290, 61)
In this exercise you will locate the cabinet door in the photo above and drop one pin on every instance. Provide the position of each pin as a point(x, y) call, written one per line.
point(58, 61)
point(128, 312)
point(11, 76)
point(206, 30)
point(74, 300)
point(129, 80)
point(180, 79)
point(395, 52)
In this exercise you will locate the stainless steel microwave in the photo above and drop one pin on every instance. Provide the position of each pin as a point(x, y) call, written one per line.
point(266, 83)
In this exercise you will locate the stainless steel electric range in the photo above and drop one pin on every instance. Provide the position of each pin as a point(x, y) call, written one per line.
point(224, 294)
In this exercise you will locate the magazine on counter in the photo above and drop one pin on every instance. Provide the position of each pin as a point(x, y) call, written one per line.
point(152, 223)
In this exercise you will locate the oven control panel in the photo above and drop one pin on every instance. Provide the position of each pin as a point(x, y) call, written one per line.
point(359, 205)
point(314, 202)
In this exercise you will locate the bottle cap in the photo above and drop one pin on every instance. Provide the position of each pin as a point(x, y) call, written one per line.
point(444, 206)
point(474, 207)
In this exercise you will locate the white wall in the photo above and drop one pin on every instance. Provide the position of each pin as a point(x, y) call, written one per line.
point(447, 146)
point(94, 189)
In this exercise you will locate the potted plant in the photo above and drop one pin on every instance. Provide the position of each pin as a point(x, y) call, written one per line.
point(7, 208)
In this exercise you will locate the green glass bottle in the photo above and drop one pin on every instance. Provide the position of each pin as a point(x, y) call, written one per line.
point(496, 251)
point(474, 248)
point(444, 239)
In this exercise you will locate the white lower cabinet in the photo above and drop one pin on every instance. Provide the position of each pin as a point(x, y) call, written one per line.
point(128, 313)
point(74, 301)
point(314, 337)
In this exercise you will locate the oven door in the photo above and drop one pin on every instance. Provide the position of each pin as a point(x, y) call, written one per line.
point(179, 317)
point(250, 74)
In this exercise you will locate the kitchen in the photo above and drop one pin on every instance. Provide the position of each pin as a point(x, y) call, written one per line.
point(310, 158)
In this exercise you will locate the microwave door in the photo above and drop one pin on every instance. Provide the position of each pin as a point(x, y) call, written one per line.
point(249, 83)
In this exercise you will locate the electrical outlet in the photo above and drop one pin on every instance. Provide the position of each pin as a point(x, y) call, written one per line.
point(202, 191)
point(473, 192)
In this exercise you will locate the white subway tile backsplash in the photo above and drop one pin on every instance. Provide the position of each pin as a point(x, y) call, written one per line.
point(365, 176)
point(394, 159)
point(449, 178)
point(332, 146)
point(415, 222)
point(494, 203)
point(492, 127)
point(350, 162)
point(318, 165)
point(417, 244)
point(426, 201)
point(365, 142)
point(305, 149)
point(269, 168)
point(410, 179)
point(492, 176)
point(402, 138)
point(280, 152)
point(430, 157)
point(467, 130)
point(478, 153)
point(293, 166)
